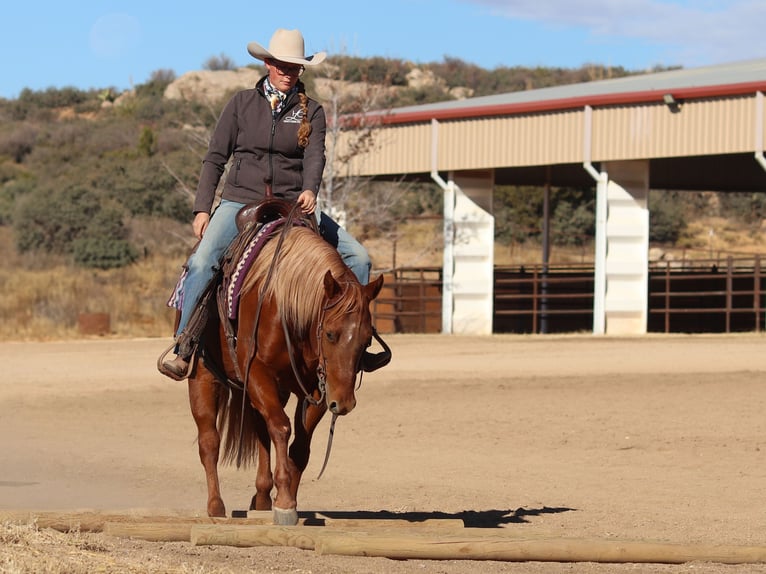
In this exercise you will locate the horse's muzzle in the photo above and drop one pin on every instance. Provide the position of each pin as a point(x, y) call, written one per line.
point(341, 407)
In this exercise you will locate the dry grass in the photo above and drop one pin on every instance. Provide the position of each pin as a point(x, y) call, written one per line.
point(46, 303)
point(42, 299)
point(24, 548)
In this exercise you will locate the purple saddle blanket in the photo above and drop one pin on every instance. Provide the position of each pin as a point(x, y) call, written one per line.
point(233, 281)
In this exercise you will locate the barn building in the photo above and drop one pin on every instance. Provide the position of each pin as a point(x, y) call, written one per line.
point(689, 129)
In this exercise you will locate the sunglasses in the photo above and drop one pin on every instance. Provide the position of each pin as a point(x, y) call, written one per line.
point(286, 69)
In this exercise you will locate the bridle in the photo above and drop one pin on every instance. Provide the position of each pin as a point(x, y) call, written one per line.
point(366, 361)
point(321, 372)
point(321, 369)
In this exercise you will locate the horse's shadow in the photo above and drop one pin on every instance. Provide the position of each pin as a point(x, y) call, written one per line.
point(470, 518)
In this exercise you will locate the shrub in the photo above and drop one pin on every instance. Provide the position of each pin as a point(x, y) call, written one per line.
point(10, 193)
point(103, 253)
point(573, 224)
point(19, 143)
point(666, 217)
point(74, 221)
point(218, 63)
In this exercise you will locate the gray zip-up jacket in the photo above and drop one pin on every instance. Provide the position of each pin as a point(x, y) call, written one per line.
point(263, 146)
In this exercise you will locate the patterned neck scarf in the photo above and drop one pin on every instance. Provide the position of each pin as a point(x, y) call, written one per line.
point(275, 97)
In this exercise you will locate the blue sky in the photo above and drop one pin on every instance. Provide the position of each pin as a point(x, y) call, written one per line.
point(119, 43)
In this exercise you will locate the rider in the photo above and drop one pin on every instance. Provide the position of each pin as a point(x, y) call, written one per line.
point(276, 135)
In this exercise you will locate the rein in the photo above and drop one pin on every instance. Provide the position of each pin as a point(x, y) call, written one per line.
point(321, 371)
point(321, 376)
point(254, 335)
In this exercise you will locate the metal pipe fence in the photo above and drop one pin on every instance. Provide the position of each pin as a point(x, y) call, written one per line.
point(719, 295)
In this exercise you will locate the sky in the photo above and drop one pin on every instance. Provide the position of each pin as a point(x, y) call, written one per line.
point(119, 43)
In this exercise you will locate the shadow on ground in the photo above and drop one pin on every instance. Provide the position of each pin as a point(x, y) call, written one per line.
point(470, 518)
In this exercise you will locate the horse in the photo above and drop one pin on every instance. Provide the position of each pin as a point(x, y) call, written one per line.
point(303, 325)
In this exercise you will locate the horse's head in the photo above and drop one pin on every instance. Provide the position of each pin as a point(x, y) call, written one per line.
point(344, 334)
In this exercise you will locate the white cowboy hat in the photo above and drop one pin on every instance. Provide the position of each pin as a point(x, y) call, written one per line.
point(286, 46)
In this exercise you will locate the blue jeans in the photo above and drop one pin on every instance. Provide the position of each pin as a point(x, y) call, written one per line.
point(221, 231)
point(352, 252)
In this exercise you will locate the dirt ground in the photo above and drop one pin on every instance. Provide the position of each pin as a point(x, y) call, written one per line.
point(659, 438)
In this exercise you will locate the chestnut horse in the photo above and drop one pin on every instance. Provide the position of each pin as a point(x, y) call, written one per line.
point(302, 328)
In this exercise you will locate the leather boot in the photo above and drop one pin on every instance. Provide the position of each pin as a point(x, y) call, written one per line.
point(176, 368)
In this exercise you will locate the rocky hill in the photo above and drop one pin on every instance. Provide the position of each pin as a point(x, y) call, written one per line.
point(211, 86)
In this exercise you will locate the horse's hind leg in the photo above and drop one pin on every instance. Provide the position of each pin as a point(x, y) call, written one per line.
point(203, 398)
point(264, 480)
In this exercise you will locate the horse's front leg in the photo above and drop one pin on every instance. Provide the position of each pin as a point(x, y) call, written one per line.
point(204, 394)
point(264, 396)
point(300, 450)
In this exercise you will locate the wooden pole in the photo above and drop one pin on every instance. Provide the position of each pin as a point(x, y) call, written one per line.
point(176, 531)
point(248, 536)
point(95, 521)
point(500, 548)
point(396, 539)
point(305, 537)
point(471, 544)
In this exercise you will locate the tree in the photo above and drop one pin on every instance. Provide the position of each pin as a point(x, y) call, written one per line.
point(353, 116)
point(218, 63)
point(75, 222)
point(666, 217)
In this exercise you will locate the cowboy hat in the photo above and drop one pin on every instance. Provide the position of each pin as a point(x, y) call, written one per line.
point(286, 46)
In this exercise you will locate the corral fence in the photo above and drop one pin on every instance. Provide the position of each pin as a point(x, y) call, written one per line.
point(720, 295)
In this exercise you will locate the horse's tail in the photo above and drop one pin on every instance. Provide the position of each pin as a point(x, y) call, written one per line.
point(239, 424)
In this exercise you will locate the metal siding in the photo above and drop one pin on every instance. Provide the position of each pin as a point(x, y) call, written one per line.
point(703, 127)
point(642, 131)
point(524, 140)
point(398, 149)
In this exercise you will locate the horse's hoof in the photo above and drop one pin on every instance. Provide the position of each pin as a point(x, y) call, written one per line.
point(216, 508)
point(285, 517)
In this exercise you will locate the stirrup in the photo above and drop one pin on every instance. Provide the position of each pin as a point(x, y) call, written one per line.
point(161, 367)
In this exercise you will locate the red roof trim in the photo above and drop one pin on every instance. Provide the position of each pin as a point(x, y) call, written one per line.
point(392, 117)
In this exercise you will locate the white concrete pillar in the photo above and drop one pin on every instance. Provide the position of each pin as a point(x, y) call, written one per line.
point(472, 252)
point(627, 248)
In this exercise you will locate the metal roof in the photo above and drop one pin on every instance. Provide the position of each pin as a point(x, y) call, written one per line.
point(725, 79)
point(712, 141)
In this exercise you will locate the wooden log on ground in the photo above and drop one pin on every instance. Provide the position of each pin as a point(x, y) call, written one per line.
point(82, 520)
point(95, 521)
point(180, 530)
point(434, 524)
point(305, 537)
point(176, 531)
point(246, 536)
point(473, 547)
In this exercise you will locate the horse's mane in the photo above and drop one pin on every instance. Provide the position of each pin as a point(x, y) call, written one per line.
point(296, 281)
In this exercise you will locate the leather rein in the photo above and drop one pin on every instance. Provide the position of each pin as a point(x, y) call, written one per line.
point(241, 381)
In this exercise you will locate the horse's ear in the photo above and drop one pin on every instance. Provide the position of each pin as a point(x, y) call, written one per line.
point(372, 289)
point(331, 287)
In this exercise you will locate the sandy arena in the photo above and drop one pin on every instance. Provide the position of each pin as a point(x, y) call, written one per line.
point(659, 438)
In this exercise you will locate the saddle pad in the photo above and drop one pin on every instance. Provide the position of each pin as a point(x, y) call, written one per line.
point(176, 299)
point(233, 282)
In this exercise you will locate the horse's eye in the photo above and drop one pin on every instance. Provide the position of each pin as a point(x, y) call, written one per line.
point(331, 336)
